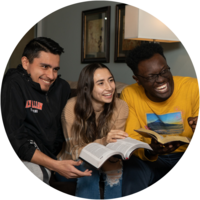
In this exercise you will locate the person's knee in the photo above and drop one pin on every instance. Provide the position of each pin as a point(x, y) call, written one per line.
point(137, 164)
point(113, 177)
point(95, 173)
point(136, 176)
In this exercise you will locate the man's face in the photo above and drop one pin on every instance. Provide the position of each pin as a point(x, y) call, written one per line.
point(160, 88)
point(43, 70)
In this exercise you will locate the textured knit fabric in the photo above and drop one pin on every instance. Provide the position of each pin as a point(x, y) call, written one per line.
point(118, 122)
point(32, 117)
point(168, 117)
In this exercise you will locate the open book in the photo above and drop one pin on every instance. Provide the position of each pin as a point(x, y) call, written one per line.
point(162, 139)
point(96, 154)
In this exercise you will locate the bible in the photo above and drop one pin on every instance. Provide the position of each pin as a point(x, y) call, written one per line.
point(163, 139)
point(96, 154)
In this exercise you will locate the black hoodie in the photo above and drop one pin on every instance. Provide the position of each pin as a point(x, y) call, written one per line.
point(32, 117)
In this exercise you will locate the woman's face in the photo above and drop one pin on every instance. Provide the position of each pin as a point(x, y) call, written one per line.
point(104, 86)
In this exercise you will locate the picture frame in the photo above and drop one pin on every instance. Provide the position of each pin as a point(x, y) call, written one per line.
point(95, 41)
point(122, 46)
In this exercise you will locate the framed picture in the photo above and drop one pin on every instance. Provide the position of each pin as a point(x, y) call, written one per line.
point(95, 43)
point(122, 46)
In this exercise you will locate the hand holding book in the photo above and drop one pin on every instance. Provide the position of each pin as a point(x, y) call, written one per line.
point(163, 144)
point(159, 148)
point(96, 154)
point(113, 135)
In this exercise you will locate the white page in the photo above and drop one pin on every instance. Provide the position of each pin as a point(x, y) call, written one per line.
point(96, 154)
point(97, 150)
point(127, 145)
point(120, 146)
point(132, 141)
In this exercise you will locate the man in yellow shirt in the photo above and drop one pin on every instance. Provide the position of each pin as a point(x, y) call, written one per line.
point(161, 102)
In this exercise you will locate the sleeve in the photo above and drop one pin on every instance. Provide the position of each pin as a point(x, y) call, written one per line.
point(133, 123)
point(122, 114)
point(59, 139)
point(66, 126)
point(195, 99)
point(14, 114)
point(65, 96)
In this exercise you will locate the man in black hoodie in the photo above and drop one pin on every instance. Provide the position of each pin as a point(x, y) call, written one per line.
point(33, 96)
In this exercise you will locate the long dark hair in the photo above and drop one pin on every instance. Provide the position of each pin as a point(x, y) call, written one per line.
point(84, 128)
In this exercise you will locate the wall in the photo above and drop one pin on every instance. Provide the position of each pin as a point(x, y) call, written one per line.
point(15, 57)
point(64, 26)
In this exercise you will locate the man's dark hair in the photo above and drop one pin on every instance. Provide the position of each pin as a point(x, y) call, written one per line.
point(142, 52)
point(35, 46)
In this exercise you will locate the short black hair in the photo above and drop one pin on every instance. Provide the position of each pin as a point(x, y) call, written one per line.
point(144, 51)
point(36, 45)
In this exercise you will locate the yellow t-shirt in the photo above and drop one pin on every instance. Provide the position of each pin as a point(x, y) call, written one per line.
point(169, 116)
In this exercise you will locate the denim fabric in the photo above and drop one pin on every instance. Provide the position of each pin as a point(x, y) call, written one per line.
point(60, 178)
point(112, 188)
point(139, 174)
point(88, 187)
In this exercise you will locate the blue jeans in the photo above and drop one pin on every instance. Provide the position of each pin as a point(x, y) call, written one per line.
point(88, 186)
point(139, 174)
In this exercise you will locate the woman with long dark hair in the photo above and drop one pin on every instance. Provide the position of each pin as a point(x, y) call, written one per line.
point(95, 115)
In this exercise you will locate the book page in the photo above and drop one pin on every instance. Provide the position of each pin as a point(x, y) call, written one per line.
point(175, 138)
point(131, 141)
point(96, 154)
point(149, 134)
point(119, 146)
point(160, 138)
point(97, 150)
point(127, 145)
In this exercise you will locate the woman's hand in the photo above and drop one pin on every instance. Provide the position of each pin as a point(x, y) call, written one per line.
point(113, 135)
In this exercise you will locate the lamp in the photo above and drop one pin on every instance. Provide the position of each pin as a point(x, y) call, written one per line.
point(140, 25)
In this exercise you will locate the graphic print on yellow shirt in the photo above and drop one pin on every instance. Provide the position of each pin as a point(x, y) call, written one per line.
point(170, 123)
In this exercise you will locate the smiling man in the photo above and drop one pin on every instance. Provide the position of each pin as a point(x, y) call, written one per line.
point(43, 70)
point(161, 102)
point(33, 97)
